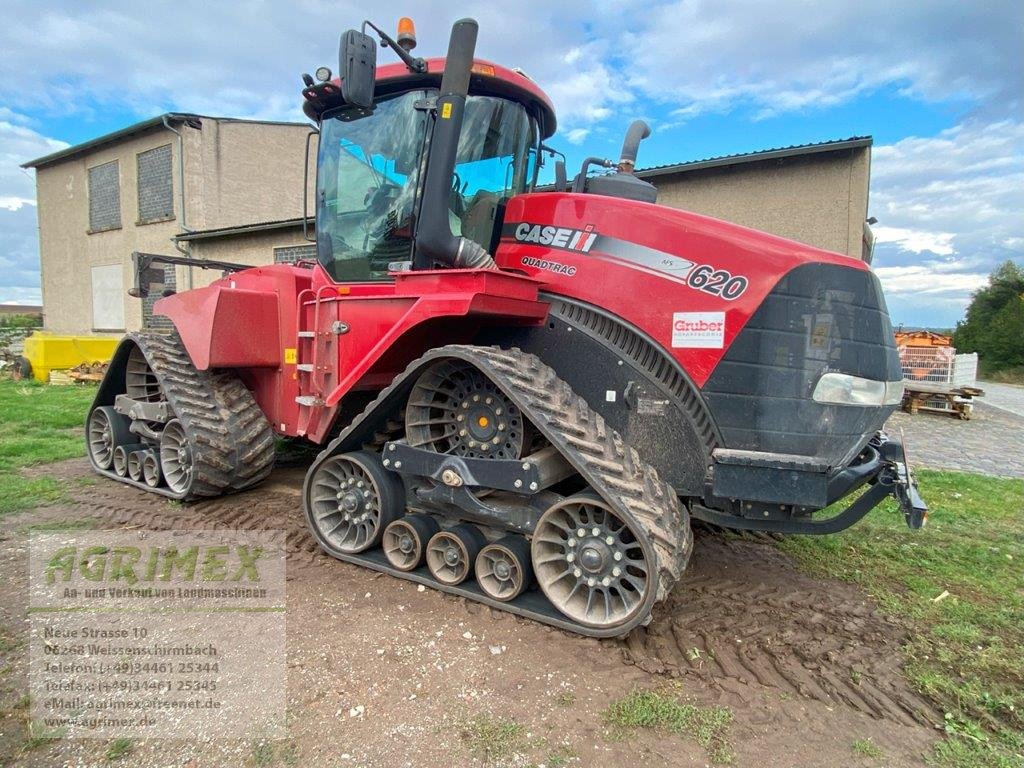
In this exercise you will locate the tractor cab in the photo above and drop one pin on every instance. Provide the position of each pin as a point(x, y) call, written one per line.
point(416, 160)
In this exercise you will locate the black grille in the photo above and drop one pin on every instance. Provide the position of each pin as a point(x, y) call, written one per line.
point(820, 317)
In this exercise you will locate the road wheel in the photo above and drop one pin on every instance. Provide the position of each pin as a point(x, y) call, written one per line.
point(405, 541)
point(451, 553)
point(503, 569)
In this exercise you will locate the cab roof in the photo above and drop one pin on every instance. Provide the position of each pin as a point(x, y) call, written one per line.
point(487, 79)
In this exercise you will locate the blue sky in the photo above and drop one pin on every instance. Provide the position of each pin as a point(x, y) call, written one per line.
point(937, 84)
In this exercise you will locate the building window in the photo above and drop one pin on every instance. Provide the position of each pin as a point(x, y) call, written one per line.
point(294, 253)
point(104, 197)
point(107, 298)
point(156, 193)
point(149, 320)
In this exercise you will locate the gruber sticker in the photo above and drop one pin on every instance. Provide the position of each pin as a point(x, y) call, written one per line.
point(698, 330)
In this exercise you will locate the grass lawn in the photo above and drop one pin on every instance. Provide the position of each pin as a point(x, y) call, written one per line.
point(38, 424)
point(967, 649)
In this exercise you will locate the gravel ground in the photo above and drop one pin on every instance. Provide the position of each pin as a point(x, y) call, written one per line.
point(991, 442)
point(1007, 397)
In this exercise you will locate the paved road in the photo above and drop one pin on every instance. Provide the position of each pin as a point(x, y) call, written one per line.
point(992, 442)
point(1008, 397)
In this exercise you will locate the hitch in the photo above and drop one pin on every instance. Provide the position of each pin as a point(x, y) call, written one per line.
point(898, 477)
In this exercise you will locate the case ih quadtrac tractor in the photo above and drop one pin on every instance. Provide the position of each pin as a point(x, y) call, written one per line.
point(522, 397)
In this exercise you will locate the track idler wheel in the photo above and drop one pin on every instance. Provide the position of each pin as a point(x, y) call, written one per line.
point(503, 569)
point(352, 500)
point(451, 553)
point(176, 462)
point(591, 564)
point(405, 541)
point(107, 429)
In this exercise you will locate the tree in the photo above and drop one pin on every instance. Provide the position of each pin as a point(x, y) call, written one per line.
point(994, 324)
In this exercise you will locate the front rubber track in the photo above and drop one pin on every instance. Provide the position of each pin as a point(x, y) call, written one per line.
point(232, 442)
point(610, 466)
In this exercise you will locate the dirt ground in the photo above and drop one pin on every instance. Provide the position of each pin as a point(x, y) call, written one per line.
point(806, 666)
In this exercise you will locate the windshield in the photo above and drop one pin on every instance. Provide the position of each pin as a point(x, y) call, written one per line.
point(366, 188)
point(368, 176)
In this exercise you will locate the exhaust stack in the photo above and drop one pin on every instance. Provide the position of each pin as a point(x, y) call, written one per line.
point(434, 239)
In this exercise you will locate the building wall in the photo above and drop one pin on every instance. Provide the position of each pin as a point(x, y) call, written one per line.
point(246, 173)
point(235, 173)
point(68, 250)
point(255, 249)
point(819, 199)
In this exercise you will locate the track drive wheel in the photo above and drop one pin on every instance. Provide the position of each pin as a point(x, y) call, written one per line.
point(405, 541)
point(107, 429)
point(592, 565)
point(451, 553)
point(454, 408)
point(503, 568)
point(352, 500)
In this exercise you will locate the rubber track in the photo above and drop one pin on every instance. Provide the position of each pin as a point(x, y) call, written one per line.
point(232, 442)
point(613, 468)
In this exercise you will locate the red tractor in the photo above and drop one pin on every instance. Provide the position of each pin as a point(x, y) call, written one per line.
point(522, 397)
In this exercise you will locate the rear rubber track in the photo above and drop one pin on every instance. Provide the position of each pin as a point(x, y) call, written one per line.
point(232, 442)
point(612, 468)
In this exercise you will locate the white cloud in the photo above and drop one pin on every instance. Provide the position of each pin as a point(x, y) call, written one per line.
point(576, 135)
point(915, 241)
point(19, 250)
point(788, 56)
point(924, 280)
point(957, 195)
point(18, 144)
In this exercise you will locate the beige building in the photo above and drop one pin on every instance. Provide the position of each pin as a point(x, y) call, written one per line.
point(239, 185)
point(814, 193)
point(140, 188)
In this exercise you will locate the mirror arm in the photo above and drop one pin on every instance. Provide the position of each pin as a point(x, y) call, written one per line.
point(414, 63)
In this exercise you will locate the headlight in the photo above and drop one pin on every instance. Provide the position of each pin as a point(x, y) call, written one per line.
point(844, 389)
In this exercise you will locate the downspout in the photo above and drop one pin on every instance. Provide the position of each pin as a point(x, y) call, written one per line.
point(181, 192)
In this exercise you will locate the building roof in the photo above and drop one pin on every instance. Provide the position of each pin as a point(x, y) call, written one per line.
point(243, 229)
point(779, 153)
point(132, 130)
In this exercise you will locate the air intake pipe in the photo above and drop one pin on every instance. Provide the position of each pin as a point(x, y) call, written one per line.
point(435, 243)
point(638, 131)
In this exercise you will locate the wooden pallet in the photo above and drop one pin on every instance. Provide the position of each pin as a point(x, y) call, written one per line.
point(931, 397)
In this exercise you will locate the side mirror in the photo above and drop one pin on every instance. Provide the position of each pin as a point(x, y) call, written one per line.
point(357, 67)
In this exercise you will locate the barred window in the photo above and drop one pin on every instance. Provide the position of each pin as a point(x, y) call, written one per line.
point(293, 253)
point(104, 197)
point(156, 190)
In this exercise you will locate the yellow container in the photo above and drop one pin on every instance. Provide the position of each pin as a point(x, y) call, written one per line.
point(47, 352)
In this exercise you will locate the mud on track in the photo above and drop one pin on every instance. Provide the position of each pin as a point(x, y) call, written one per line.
point(806, 665)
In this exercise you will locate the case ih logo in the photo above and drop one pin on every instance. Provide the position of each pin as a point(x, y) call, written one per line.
point(579, 240)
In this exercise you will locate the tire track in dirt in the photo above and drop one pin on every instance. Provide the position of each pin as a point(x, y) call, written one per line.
point(744, 617)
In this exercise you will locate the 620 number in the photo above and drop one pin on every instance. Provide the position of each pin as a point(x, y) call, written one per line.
point(717, 282)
